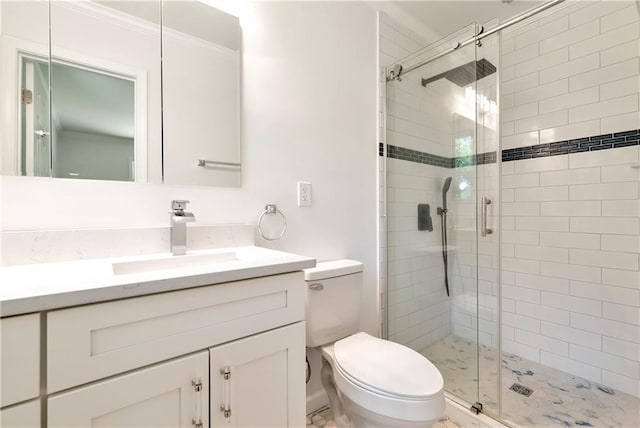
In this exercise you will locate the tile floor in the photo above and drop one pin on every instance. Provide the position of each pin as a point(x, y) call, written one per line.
point(559, 399)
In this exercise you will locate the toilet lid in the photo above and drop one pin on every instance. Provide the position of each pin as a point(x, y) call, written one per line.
point(388, 367)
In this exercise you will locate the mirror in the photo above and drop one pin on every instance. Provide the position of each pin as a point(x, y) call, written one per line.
point(91, 105)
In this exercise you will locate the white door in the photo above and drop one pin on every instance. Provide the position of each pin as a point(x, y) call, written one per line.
point(37, 136)
point(260, 381)
point(160, 396)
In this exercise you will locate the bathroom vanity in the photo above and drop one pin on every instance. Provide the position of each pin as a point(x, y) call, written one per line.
point(214, 339)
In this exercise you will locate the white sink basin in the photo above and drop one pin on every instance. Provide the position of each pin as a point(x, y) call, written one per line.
point(171, 263)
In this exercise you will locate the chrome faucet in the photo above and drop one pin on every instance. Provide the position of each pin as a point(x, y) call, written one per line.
point(179, 219)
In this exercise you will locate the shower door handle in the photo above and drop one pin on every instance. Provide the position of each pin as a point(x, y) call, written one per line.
point(484, 230)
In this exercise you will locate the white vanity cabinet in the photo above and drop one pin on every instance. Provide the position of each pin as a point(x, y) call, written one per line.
point(172, 359)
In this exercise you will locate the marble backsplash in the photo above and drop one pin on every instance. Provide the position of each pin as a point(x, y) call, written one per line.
point(26, 247)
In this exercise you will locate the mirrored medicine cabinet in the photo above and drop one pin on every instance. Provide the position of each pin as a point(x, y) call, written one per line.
point(144, 91)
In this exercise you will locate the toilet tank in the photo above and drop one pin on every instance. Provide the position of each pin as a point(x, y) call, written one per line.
point(333, 299)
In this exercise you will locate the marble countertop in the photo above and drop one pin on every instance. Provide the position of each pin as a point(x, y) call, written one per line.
point(46, 286)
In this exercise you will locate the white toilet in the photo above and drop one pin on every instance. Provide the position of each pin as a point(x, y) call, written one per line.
point(370, 382)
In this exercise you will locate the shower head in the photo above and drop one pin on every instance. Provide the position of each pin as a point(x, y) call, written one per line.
point(465, 74)
point(445, 189)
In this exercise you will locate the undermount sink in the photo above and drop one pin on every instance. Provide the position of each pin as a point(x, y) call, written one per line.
point(171, 263)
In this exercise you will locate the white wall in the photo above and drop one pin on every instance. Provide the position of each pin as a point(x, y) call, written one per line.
point(309, 113)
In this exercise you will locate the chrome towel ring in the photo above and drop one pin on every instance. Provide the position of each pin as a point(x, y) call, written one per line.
point(272, 209)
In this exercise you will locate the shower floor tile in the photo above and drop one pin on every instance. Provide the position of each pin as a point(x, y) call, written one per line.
point(558, 398)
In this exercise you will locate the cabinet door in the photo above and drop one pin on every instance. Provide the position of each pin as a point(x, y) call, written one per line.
point(265, 383)
point(25, 415)
point(159, 396)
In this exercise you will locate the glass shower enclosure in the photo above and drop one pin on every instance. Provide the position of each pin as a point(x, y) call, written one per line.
point(442, 212)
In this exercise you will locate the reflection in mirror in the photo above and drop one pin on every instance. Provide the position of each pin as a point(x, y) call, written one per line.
point(93, 130)
point(201, 94)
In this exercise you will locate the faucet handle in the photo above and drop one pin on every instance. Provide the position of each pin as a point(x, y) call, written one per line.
point(179, 205)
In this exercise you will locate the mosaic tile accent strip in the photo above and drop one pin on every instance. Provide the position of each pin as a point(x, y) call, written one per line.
point(417, 156)
point(586, 144)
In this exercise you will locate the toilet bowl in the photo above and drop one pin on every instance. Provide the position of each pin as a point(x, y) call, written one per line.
point(370, 382)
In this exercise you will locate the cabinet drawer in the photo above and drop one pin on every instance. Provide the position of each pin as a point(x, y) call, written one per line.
point(19, 358)
point(91, 342)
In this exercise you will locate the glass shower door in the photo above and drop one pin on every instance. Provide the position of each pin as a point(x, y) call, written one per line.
point(435, 262)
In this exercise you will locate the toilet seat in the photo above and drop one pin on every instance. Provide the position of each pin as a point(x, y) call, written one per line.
point(388, 378)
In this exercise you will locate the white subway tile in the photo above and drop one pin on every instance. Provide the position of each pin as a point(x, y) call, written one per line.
point(521, 180)
point(568, 271)
point(544, 283)
point(619, 18)
point(508, 195)
point(508, 305)
point(570, 240)
point(571, 176)
point(621, 383)
point(604, 41)
point(519, 84)
point(602, 109)
point(616, 123)
point(616, 173)
point(619, 88)
point(571, 37)
point(552, 163)
point(607, 361)
point(622, 313)
point(542, 61)
point(541, 312)
point(605, 191)
point(621, 348)
point(621, 226)
point(605, 293)
point(546, 224)
point(571, 208)
point(621, 278)
point(519, 237)
point(520, 55)
point(571, 131)
point(520, 208)
point(519, 112)
point(572, 335)
point(519, 265)
point(550, 193)
point(604, 75)
point(572, 303)
point(521, 322)
point(521, 140)
point(542, 32)
point(542, 253)
point(542, 121)
point(619, 53)
point(555, 346)
point(543, 92)
point(522, 350)
point(508, 332)
point(571, 68)
point(571, 366)
point(608, 259)
point(508, 45)
point(621, 208)
point(620, 156)
point(605, 327)
point(521, 294)
point(507, 129)
point(594, 10)
point(572, 99)
point(624, 243)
